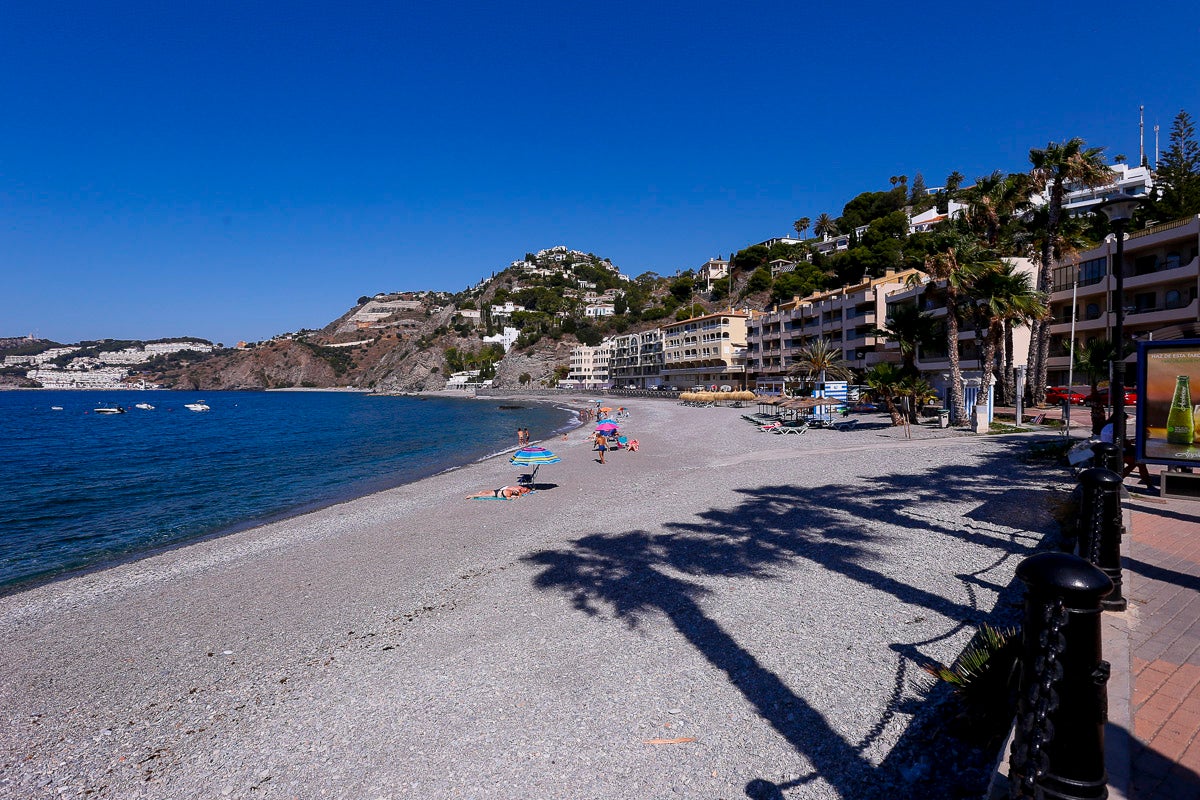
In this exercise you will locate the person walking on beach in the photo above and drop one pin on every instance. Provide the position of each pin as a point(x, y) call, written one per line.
point(601, 445)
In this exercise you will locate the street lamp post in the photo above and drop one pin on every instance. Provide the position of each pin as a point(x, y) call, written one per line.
point(1119, 209)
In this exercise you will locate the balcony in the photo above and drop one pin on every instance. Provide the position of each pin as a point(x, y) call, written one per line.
point(1134, 318)
point(1180, 273)
point(1141, 318)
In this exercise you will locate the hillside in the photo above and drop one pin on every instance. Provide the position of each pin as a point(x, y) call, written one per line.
point(517, 327)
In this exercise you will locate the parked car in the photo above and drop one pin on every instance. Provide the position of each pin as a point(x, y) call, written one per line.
point(1057, 394)
point(1102, 398)
point(865, 408)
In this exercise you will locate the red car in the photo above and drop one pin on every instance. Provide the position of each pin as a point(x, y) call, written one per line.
point(1102, 398)
point(1058, 394)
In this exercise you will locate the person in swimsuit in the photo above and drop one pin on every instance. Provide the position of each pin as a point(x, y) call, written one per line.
point(503, 493)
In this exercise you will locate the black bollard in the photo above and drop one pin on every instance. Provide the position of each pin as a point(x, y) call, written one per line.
point(1100, 526)
point(1058, 747)
point(1107, 456)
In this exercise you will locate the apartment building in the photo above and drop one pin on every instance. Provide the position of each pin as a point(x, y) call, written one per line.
point(934, 361)
point(714, 269)
point(709, 350)
point(637, 360)
point(844, 317)
point(1161, 272)
point(589, 365)
point(1078, 200)
point(98, 378)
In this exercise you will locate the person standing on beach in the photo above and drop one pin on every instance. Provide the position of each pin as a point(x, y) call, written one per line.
point(520, 437)
point(601, 445)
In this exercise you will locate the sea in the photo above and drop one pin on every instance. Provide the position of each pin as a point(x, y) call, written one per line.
point(81, 490)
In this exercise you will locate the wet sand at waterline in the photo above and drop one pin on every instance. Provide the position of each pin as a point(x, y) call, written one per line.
point(722, 608)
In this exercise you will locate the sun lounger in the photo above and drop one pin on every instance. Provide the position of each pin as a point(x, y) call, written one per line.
point(844, 425)
point(784, 429)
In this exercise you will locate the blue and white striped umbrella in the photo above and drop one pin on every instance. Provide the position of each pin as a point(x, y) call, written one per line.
point(532, 457)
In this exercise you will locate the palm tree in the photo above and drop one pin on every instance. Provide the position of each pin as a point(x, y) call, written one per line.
point(911, 328)
point(953, 181)
point(951, 269)
point(820, 360)
point(916, 392)
point(825, 226)
point(883, 380)
point(993, 201)
point(801, 225)
point(1059, 165)
point(1002, 295)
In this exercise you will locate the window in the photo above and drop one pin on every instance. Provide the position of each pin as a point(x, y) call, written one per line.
point(1093, 271)
point(1092, 311)
point(1174, 299)
point(1172, 260)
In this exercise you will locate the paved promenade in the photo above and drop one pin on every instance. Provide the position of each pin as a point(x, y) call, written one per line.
point(1154, 646)
point(1156, 643)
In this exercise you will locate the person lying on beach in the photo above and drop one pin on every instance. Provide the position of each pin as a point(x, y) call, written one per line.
point(503, 493)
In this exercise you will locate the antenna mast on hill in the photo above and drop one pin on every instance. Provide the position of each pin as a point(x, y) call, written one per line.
point(1142, 135)
point(1156, 147)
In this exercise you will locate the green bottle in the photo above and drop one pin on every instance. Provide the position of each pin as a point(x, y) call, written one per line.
point(1181, 427)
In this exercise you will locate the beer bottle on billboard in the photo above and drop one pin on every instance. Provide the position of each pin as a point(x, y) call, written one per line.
point(1181, 428)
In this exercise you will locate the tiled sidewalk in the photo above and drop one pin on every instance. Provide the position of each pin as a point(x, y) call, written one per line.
point(1162, 584)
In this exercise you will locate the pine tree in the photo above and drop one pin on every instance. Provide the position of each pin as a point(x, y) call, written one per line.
point(1179, 172)
point(918, 192)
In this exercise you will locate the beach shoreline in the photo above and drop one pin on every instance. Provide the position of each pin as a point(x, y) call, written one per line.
point(709, 588)
point(299, 508)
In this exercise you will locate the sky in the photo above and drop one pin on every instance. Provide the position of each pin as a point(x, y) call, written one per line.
point(235, 170)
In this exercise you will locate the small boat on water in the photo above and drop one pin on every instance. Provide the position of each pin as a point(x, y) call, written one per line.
point(144, 406)
point(201, 406)
point(56, 408)
point(110, 410)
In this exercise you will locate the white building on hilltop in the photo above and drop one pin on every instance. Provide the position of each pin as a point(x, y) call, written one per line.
point(506, 338)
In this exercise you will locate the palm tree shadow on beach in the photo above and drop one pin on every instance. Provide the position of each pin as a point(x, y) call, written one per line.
point(640, 574)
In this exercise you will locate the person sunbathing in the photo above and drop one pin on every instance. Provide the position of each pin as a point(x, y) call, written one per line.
point(503, 493)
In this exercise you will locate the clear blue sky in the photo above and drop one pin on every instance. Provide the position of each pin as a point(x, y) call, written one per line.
point(233, 170)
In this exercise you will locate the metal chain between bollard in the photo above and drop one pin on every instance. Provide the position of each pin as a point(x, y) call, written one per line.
point(1100, 526)
point(1095, 531)
point(1034, 730)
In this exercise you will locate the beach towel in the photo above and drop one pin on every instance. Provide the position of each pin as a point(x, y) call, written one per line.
point(531, 491)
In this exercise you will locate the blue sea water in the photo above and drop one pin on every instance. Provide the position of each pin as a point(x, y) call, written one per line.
point(80, 489)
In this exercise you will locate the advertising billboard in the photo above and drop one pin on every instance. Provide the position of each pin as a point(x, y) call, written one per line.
point(1168, 419)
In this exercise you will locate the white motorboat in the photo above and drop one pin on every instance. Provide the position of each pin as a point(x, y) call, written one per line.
point(144, 406)
point(201, 406)
point(56, 408)
point(110, 410)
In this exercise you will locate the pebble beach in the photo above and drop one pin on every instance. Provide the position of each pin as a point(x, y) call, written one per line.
point(725, 613)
